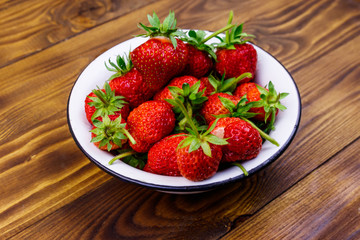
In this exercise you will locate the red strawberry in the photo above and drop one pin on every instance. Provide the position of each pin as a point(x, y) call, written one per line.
point(199, 62)
point(128, 82)
point(219, 128)
point(268, 100)
point(198, 155)
point(104, 102)
point(151, 121)
point(196, 165)
point(162, 56)
point(165, 93)
point(140, 146)
point(209, 88)
point(213, 106)
point(244, 142)
point(110, 133)
point(234, 55)
point(162, 156)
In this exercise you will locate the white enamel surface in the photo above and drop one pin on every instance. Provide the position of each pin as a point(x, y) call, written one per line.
point(95, 74)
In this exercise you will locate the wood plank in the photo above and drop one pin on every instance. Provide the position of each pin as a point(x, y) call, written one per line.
point(31, 26)
point(324, 205)
point(141, 213)
point(58, 173)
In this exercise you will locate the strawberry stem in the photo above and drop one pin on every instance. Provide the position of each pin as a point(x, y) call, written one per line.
point(263, 134)
point(128, 135)
point(187, 116)
point(229, 84)
point(241, 167)
point(227, 34)
point(217, 33)
point(122, 155)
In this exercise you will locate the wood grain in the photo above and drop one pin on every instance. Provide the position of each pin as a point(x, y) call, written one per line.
point(31, 26)
point(50, 190)
point(311, 209)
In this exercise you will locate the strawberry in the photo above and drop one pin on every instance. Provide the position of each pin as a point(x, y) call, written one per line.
point(234, 55)
point(128, 82)
point(213, 106)
point(198, 155)
point(110, 133)
point(244, 142)
point(140, 146)
point(178, 82)
point(101, 102)
point(162, 156)
point(151, 121)
point(162, 56)
point(219, 128)
point(201, 56)
point(267, 101)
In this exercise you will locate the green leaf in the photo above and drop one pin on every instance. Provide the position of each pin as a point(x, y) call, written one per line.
point(206, 148)
point(215, 140)
point(195, 144)
point(227, 103)
point(283, 95)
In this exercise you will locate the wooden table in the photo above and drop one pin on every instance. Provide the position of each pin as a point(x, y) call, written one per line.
point(50, 190)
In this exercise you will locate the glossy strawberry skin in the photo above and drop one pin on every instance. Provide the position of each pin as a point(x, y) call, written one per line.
point(252, 94)
point(158, 61)
point(140, 146)
point(162, 156)
point(132, 86)
point(196, 166)
point(213, 106)
point(208, 87)
point(199, 62)
point(244, 142)
point(89, 110)
point(234, 62)
point(177, 82)
point(219, 128)
point(151, 121)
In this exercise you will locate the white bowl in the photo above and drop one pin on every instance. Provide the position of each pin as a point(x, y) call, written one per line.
point(95, 74)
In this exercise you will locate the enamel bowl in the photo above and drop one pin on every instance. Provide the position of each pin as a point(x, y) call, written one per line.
point(95, 74)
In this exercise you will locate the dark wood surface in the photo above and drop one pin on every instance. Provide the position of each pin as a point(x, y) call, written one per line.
point(50, 190)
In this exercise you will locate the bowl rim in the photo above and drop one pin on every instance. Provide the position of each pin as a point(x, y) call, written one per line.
point(193, 188)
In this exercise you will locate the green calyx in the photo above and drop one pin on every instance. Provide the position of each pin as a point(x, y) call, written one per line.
point(241, 110)
point(270, 100)
point(166, 29)
point(233, 36)
point(105, 103)
point(190, 97)
point(107, 131)
point(226, 85)
point(194, 140)
point(198, 39)
point(122, 66)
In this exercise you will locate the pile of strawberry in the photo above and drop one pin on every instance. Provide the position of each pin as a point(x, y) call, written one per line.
point(177, 106)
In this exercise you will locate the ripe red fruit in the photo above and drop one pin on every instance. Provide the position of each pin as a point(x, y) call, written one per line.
point(209, 88)
point(244, 142)
point(213, 106)
point(104, 102)
point(268, 101)
point(128, 82)
point(196, 165)
point(151, 121)
point(219, 128)
point(234, 55)
point(234, 62)
point(162, 156)
point(162, 56)
point(140, 146)
point(165, 93)
point(199, 62)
